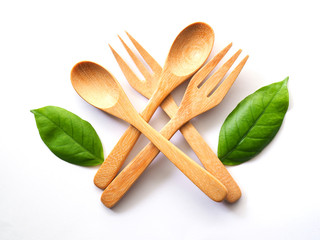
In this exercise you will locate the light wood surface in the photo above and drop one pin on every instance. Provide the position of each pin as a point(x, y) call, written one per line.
point(146, 87)
point(187, 54)
point(100, 89)
point(191, 106)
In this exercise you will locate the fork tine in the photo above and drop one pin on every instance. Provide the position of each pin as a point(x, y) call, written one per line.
point(224, 87)
point(213, 81)
point(142, 68)
point(132, 78)
point(154, 65)
point(204, 71)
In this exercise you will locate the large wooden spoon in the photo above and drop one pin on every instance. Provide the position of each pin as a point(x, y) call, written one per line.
point(201, 95)
point(100, 89)
point(188, 52)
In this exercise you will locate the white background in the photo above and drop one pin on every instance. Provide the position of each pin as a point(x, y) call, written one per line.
point(42, 197)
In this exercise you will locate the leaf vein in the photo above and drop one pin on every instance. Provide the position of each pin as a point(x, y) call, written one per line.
point(59, 126)
point(254, 124)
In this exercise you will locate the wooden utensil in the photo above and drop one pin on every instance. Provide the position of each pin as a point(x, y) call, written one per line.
point(146, 87)
point(100, 89)
point(188, 52)
point(199, 97)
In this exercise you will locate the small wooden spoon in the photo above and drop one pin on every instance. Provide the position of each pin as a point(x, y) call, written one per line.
point(100, 89)
point(188, 52)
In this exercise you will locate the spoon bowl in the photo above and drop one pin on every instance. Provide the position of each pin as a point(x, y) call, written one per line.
point(190, 49)
point(100, 88)
point(93, 82)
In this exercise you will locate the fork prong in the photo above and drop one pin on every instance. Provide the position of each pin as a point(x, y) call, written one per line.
point(213, 81)
point(224, 87)
point(132, 78)
point(140, 65)
point(153, 64)
point(206, 69)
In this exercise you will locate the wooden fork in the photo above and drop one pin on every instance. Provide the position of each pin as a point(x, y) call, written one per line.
point(147, 86)
point(196, 100)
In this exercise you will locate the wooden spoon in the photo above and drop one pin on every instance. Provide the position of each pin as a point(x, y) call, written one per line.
point(100, 89)
point(197, 99)
point(188, 52)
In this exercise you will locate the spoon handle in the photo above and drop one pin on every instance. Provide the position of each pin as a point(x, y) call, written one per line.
point(205, 154)
point(211, 162)
point(212, 187)
point(112, 164)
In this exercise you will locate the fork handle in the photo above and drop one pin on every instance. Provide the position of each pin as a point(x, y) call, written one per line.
point(112, 164)
point(203, 151)
point(211, 161)
point(204, 180)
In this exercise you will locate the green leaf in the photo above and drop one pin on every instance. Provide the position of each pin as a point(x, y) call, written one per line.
point(253, 123)
point(68, 136)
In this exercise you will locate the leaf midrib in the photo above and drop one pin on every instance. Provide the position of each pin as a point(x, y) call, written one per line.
point(254, 124)
point(85, 149)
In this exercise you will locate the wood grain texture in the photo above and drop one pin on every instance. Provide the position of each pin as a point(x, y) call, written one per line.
point(205, 154)
point(195, 40)
point(91, 80)
point(205, 181)
point(190, 107)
